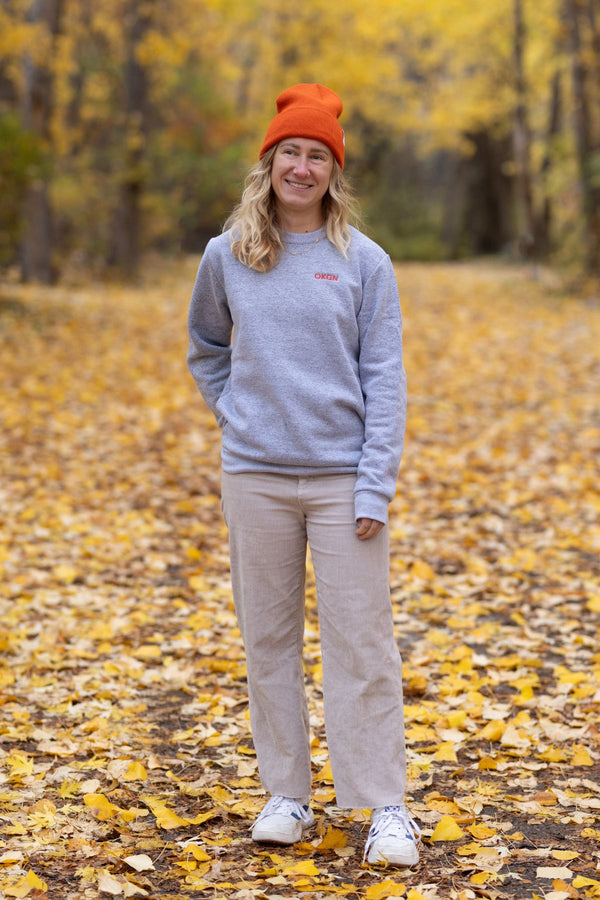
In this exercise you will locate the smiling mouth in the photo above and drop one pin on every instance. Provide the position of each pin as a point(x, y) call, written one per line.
point(297, 184)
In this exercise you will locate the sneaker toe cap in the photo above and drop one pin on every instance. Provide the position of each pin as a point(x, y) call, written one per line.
point(394, 851)
point(277, 830)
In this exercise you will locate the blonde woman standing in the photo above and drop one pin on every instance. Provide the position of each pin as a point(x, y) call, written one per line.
point(296, 346)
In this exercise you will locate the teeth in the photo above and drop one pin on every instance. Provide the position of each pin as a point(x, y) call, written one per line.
point(297, 184)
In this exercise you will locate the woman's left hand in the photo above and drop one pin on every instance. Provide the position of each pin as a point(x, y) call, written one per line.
point(367, 528)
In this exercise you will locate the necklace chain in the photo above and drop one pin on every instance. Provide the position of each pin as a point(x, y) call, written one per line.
point(306, 249)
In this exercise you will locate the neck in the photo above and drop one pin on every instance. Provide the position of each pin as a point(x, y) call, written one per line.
point(299, 222)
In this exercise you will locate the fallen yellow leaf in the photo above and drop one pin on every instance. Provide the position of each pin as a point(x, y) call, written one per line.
point(564, 854)
point(493, 731)
point(165, 818)
point(101, 806)
point(447, 829)
point(306, 867)
point(552, 754)
point(446, 752)
point(197, 852)
point(566, 676)
point(135, 772)
point(472, 849)
point(421, 569)
point(481, 832)
point(65, 573)
point(147, 652)
point(333, 839)
point(456, 718)
point(442, 804)
point(581, 757)
point(325, 776)
point(581, 881)
point(69, 789)
point(219, 794)
point(384, 889)
point(20, 764)
point(6, 677)
point(36, 883)
point(204, 817)
point(188, 865)
point(191, 866)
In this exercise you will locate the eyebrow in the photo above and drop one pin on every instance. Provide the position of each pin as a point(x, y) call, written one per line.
point(311, 149)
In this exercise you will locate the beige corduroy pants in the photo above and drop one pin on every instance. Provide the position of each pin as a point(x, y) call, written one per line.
point(271, 518)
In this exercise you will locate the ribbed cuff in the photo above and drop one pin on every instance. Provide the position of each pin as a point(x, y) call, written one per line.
point(371, 505)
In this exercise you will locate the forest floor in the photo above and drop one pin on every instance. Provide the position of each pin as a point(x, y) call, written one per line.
point(126, 761)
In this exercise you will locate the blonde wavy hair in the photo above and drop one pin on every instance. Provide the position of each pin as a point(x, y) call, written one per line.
point(255, 230)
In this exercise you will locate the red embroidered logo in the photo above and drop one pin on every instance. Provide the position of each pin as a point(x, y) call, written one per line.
point(327, 276)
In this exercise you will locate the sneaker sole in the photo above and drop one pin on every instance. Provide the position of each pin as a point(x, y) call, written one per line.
point(411, 860)
point(273, 838)
point(269, 839)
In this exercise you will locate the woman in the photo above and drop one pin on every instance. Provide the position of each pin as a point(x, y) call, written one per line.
point(310, 394)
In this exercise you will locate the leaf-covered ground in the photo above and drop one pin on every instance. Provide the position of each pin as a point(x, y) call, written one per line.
point(126, 763)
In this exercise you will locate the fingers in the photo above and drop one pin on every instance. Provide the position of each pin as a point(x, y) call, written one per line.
point(367, 528)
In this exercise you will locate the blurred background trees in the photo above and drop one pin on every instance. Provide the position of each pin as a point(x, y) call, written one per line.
point(128, 125)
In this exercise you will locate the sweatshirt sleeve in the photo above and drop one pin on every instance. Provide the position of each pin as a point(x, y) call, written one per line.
point(383, 383)
point(209, 328)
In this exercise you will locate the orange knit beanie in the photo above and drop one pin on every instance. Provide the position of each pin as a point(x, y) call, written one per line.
point(308, 111)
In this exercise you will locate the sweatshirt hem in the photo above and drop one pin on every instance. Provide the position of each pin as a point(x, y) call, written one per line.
point(238, 466)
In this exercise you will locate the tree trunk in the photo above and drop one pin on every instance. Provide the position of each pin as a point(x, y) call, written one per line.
point(528, 241)
point(126, 248)
point(544, 226)
point(37, 107)
point(593, 16)
point(454, 207)
point(584, 135)
point(488, 220)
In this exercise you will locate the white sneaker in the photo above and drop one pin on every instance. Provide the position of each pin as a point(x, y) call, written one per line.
point(393, 838)
point(282, 821)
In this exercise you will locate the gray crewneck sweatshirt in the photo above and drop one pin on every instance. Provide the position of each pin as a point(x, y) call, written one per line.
point(302, 365)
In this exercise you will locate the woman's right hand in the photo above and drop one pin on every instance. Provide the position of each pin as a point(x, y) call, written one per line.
point(367, 528)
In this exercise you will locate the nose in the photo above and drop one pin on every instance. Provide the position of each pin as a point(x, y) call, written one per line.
point(301, 166)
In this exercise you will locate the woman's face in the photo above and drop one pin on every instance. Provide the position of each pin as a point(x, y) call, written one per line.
point(300, 177)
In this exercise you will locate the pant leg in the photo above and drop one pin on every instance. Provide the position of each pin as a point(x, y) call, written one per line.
point(362, 668)
point(267, 538)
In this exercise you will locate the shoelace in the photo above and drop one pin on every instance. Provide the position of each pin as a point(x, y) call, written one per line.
point(285, 806)
point(395, 822)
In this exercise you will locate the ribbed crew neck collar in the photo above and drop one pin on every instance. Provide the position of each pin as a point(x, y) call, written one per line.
point(302, 237)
